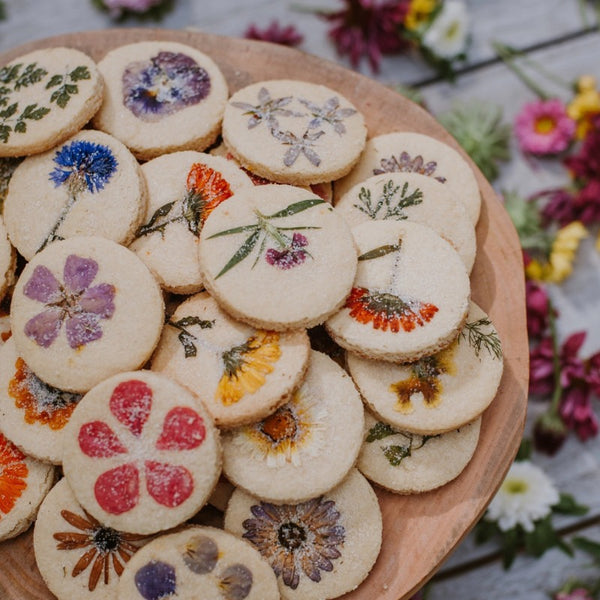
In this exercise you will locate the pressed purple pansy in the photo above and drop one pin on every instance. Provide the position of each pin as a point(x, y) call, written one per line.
point(288, 257)
point(156, 580)
point(77, 303)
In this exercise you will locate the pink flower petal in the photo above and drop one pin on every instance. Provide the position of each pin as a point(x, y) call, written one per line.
point(98, 440)
point(42, 286)
point(131, 403)
point(118, 490)
point(169, 485)
point(183, 429)
point(44, 327)
point(79, 272)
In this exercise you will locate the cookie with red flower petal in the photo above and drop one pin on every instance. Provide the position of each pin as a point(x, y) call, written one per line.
point(8, 261)
point(141, 453)
point(183, 189)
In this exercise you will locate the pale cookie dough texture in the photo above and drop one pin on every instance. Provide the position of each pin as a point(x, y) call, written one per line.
point(410, 152)
point(8, 261)
point(161, 97)
point(293, 131)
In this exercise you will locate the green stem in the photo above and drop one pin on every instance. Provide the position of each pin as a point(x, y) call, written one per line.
point(142, 231)
point(271, 230)
point(61, 217)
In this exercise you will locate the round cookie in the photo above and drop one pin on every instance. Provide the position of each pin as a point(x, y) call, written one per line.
point(77, 556)
point(8, 164)
point(161, 97)
point(267, 255)
point(90, 185)
point(416, 198)
point(307, 446)
point(319, 549)
point(407, 463)
point(8, 261)
point(32, 413)
point(50, 95)
point(183, 189)
point(109, 303)
point(410, 152)
point(5, 332)
point(241, 374)
point(410, 296)
point(293, 131)
point(24, 482)
point(140, 453)
point(437, 393)
point(204, 563)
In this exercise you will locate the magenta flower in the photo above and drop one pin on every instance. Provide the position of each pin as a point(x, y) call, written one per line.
point(537, 309)
point(541, 368)
point(117, 7)
point(575, 594)
point(288, 257)
point(585, 165)
point(275, 33)
point(77, 303)
point(543, 127)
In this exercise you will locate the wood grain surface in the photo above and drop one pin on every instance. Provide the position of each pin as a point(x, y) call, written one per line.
point(419, 531)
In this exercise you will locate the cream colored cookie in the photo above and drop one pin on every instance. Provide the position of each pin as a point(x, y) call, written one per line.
point(49, 95)
point(89, 185)
point(411, 152)
point(8, 164)
point(319, 549)
point(293, 131)
point(416, 198)
point(437, 393)
point(161, 97)
point(8, 261)
point(241, 374)
point(5, 331)
point(268, 255)
point(84, 309)
point(408, 463)
point(410, 296)
point(140, 453)
point(183, 189)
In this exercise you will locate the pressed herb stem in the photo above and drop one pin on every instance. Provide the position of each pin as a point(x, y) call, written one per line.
point(61, 218)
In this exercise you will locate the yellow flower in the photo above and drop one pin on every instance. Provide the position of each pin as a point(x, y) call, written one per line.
point(585, 105)
point(418, 13)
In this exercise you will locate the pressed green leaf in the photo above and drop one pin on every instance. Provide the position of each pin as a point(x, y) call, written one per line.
point(158, 213)
point(396, 454)
point(193, 320)
point(30, 75)
point(381, 251)
point(4, 133)
point(10, 73)
point(380, 431)
point(79, 73)
point(33, 112)
point(9, 111)
point(242, 252)
point(54, 81)
point(240, 229)
point(20, 127)
point(295, 208)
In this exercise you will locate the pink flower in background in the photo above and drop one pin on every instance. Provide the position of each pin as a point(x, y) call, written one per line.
point(541, 368)
point(117, 7)
point(576, 594)
point(275, 33)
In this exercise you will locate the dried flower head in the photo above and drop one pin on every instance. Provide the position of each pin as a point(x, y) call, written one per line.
point(277, 34)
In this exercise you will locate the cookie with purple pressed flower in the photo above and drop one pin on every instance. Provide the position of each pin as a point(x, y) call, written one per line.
point(89, 185)
point(161, 97)
point(8, 261)
point(240, 373)
point(410, 152)
point(293, 131)
point(183, 189)
point(410, 296)
point(84, 309)
point(320, 548)
point(48, 95)
point(199, 562)
point(268, 253)
point(412, 197)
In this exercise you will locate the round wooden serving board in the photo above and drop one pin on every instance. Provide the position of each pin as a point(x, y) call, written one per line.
point(419, 531)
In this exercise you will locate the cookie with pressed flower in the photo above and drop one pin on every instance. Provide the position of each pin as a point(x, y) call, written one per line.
point(412, 197)
point(410, 296)
point(293, 131)
point(268, 253)
point(440, 392)
point(161, 97)
point(320, 548)
point(24, 482)
point(84, 309)
point(307, 446)
point(240, 373)
point(8, 261)
point(89, 185)
point(140, 453)
point(409, 463)
point(205, 563)
point(183, 189)
point(411, 152)
point(77, 556)
point(48, 95)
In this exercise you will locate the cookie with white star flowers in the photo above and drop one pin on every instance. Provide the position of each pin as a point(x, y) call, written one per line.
point(77, 556)
point(183, 189)
point(140, 453)
point(161, 97)
point(410, 152)
point(24, 482)
point(84, 309)
point(307, 446)
point(319, 549)
point(89, 185)
point(410, 296)
point(440, 392)
point(416, 198)
point(240, 373)
point(199, 562)
point(268, 255)
point(409, 463)
point(293, 131)
point(8, 261)
point(48, 95)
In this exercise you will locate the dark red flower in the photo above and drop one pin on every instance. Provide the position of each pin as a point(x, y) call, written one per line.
point(585, 165)
point(576, 411)
point(278, 34)
point(537, 309)
point(549, 433)
point(291, 256)
point(541, 368)
point(559, 207)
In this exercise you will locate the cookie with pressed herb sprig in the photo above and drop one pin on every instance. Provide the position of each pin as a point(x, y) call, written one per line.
point(161, 97)
point(8, 261)
point(293, 131)
point(440, 392)
point(48, 95)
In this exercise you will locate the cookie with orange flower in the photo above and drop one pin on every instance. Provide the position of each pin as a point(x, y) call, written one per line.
point(8, 261)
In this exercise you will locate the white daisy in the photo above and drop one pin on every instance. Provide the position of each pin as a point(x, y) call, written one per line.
point(448, 34)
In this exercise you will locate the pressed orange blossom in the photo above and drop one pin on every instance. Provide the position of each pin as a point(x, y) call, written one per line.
point(13, 475)
point(210, 185)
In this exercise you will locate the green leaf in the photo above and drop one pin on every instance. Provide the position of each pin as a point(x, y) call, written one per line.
point(4, 133)
point(10, 73)
point(380, 431)
point(54, 81)
point(79, 73)
point(242, 252)
point(541, 538)
point(9, 111)
point(295, 208)
point(240, 229)
point(381, 251)
point(524, 452)
point(396, 454)
point(526, 218)
point(20, 127)
point(510, 545)
point(34, 113)
point(192, 320)
point(588, 546)
point(567, 505)
point(163, 211)
point(485, 531)
point(478, 339)
point(30, 75)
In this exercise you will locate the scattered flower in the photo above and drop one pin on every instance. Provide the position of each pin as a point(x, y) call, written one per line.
point(121, 9)
point(448, 35)
point(585, 105)
point(538, 307)
point(576, 594)
point(419, 13)
point(275, 33)
point(585, 165)
point(290, 256)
